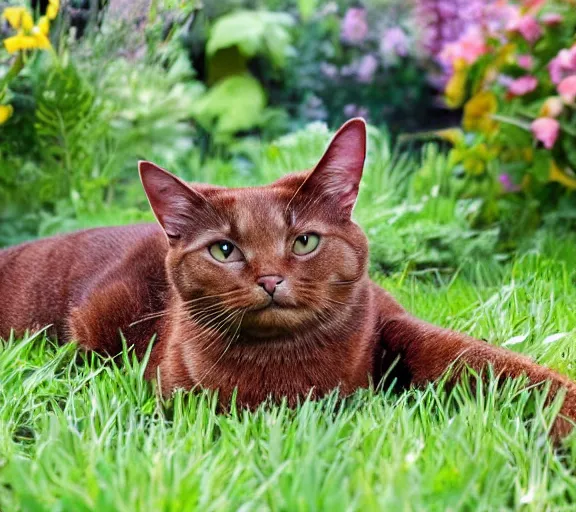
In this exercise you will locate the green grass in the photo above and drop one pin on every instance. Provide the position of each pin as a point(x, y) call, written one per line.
point(80, 433)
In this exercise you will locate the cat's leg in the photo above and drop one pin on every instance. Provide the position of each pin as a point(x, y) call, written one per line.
point(425, 352)
point(109, 312)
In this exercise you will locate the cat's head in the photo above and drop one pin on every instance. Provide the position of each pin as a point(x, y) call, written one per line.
point(268, 260)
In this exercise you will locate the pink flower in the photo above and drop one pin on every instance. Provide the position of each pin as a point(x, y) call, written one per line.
point(366, 68)
point(567, 58)
point(526, 61)
point(552, 18)
point(567, 89)
point(394, 42)
point(527, 26)
point(564, 64)
point(469, 47)
point(499, 15)
point(555, 70)
point(522, 85)
point(546, 130)
point(354, 26)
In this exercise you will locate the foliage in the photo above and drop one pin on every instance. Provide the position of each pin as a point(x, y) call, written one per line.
point(231, 105)
point(253, 33)
point(235, 101)
point(355, 61)
point(78, 127)
point(79, 432)
point(518, 86)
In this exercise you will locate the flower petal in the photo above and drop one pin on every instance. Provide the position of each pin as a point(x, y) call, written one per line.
point(52, 9)
point(42, 42)
point(523, 85)
point(546, 130)
point(567, 89)
point(44, 25)
point(21, 42)
point(18, 17)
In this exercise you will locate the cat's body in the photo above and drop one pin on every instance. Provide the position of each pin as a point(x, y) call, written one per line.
point(262, 290)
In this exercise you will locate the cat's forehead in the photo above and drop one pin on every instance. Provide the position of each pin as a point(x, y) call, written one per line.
point(254, 212)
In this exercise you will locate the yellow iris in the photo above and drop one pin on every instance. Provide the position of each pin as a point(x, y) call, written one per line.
point(36, 40)
point(52, 9)
point(19, 18)
point(5, 113)
point(44, 25)
point(478, 113)
point(29, 36)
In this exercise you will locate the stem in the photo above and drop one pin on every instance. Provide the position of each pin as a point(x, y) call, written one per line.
point(16, 67)
point(512, 121)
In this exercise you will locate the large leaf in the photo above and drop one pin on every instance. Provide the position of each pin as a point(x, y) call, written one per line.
point(253, 32)
point(233, 104)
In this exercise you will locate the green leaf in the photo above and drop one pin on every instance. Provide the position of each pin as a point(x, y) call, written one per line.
point(253, 32)
point(541, 166)
point(569, 146)
point(233, 104)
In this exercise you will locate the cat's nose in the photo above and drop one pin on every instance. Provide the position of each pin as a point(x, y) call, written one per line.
point(269, 283)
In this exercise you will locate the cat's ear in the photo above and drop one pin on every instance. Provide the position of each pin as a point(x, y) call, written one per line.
point(337, 175)
point(177, 207)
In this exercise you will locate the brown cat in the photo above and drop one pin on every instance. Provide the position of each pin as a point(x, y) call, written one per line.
point(264, 290)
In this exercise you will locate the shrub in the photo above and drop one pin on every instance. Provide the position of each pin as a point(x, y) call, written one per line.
point(73, 128)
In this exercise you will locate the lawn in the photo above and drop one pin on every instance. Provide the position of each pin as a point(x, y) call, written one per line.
point(470, 215)
point(81, 433)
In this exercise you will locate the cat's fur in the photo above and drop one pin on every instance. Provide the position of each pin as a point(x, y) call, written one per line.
point(327, 325)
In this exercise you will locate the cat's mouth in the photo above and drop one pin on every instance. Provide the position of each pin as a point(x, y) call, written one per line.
point(272, 305)
point(275, 318)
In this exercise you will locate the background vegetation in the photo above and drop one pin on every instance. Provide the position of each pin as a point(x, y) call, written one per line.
point(468, 202)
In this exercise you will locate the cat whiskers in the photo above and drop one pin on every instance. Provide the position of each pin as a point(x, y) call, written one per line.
point(229, 344)
point(185, 310)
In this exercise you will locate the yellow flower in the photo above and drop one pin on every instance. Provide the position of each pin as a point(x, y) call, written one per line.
point(44, 25)
point(566, 177)
point(21, 41)
point(18, 17)
point(478, 113)
point(52, 9)
point(29, 36)
point(5, 113)
point(455, 92)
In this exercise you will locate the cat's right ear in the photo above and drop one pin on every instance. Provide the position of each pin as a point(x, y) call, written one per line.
point(177, 207)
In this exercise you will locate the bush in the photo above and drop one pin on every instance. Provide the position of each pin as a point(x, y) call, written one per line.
point(516, 81)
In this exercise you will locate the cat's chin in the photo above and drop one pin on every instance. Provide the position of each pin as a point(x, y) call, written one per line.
point(276, 321)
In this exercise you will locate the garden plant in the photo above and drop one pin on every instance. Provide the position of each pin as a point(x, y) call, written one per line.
point(468, 201)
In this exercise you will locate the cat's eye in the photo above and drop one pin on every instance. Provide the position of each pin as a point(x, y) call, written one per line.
point(225, 251)
point(305, 244)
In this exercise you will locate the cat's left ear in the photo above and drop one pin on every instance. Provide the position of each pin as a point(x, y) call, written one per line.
point(337, 175)
point(179, 209)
